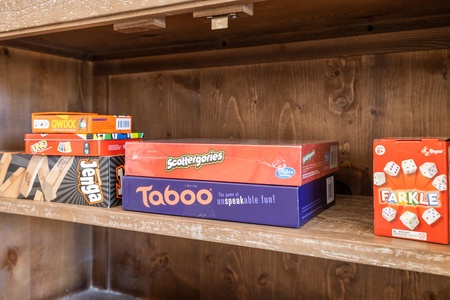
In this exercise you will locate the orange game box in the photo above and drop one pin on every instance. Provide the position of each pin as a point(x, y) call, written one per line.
point(105, 144)
point(258, 162)
point(410, 187)
point(72, 122)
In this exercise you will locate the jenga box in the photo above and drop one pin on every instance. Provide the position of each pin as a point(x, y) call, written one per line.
point(411, 198)
point(83, 180)
point(102, 144)
point(72, 122)
point(276, 205)
point(258, 162)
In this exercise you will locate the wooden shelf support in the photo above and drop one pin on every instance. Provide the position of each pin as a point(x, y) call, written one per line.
point(219, 16)
point(140, 25)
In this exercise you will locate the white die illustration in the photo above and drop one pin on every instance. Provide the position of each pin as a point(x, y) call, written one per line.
point(389, 213)
point(428, 169)
point(430, 216)
point(379, 178)
point(392, 168)
point(440, 182)
point(410, 220)
point(409, 166)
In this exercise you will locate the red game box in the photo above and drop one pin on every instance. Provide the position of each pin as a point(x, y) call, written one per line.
point(106, 144)
point(259, 162)
point(411, 197)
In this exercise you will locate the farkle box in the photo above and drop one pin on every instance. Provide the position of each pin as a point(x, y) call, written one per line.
point(258, 162)
point(105, 144)
point(411, 197)
point(261, 204)
point(83, 180)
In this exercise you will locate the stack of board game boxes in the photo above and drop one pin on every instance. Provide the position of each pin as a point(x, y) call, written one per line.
point(410, 186)
point(250, 182)
point(72, 158)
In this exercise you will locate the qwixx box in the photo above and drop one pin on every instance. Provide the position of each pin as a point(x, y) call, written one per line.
point(410, 186)
point(78, 122)
point(285, 206)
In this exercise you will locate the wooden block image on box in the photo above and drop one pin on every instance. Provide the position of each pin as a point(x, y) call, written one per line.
point(11, 187)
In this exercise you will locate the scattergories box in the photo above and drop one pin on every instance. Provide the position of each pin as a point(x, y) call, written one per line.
point(285, 206)
point(78, 122)
point(83, 180)
point(79, 144)
point(411, 197)
point(258, 162)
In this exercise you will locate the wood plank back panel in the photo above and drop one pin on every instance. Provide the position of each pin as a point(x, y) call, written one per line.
point(32, 82)
point(353, 99)
point(43, 259)
point(160, 267)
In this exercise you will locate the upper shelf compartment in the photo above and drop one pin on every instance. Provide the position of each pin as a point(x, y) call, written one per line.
point(85, 29)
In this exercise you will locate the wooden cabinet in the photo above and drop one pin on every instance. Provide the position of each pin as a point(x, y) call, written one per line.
point(346, 70)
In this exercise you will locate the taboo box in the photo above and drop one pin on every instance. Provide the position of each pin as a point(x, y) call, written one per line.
point(410, 187)
point(72, 122)
point(249, 161)
point(105, 144)
point(83, 180)
point(285, 206)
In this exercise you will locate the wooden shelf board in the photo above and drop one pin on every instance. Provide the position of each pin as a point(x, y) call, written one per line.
point(343, 232)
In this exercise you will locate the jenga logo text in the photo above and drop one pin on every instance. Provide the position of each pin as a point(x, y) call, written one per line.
point(89, 181)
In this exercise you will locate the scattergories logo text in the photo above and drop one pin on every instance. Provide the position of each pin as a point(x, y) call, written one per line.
point(195, 160)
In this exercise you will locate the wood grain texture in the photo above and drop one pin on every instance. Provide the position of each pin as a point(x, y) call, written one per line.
point(100, 257)
point(352, 99)
point(143, 266)
point(43, 259)
point(37, 82)
point(408, 40)
point(153, 267)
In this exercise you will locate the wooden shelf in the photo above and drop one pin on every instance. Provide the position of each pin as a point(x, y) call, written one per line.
point(343, 232)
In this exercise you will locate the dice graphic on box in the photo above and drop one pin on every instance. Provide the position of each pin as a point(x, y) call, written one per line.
point(409, 166)
point(428, 169)
point(392, 168)
point(410, 220)
point(440, 182)
point(379, 178)
point(430, 216)
point(389, 213)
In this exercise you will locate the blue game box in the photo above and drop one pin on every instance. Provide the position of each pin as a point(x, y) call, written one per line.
point(285, 206)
